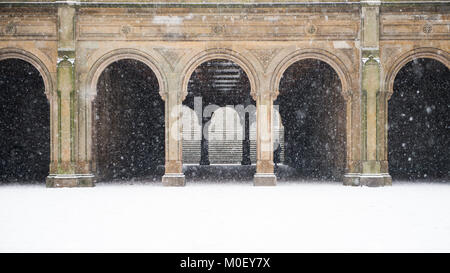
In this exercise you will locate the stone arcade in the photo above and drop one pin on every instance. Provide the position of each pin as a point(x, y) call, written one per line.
point(365, 43)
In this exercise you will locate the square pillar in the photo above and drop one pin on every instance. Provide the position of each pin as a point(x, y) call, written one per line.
point(264, 175)
point(353, 128)
point(64, 168)
point(174, 175)
point(374, 158)
point(373, 171)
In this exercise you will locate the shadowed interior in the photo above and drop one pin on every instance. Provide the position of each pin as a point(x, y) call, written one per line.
point(313, 113)
point(419, 122)
point(129, 123)
point(225, 84)
point(24, 123)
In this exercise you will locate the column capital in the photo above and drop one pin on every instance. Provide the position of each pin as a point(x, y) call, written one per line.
point(371, 60)
point(65, 60)
point(265, 95)
point(386, 93)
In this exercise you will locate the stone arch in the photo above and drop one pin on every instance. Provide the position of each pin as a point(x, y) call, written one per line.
point(318, 54)
point(30, 154)
point(90, 94)
point(15, 53)
point(426, 53)
point(120, 54)
point(417, 120)
point(129, 126)
point(342, 73)
point(224, 54)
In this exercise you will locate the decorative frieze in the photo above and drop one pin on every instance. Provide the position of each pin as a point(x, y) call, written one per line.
point(414, 31)
point(216, 26)
point(36, 28)
point(409, 26)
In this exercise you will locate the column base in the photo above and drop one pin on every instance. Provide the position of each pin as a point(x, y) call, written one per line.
point(264, 179)
point(351, 179)
point(173, 180)
point(70, 180)
point(375, 180)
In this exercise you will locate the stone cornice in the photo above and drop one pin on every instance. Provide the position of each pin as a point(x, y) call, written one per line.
point(219, 4)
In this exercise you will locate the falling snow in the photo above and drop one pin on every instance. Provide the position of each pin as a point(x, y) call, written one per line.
point(205, 217)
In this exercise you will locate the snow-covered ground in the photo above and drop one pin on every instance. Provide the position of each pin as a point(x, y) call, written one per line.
point(292, 217)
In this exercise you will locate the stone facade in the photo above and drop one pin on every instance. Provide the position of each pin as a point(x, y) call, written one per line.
point(365, 42)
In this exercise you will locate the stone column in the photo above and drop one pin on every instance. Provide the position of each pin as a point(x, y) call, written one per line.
point(264, 175)
point(64, 169)
point(173, 137)
point(246, 141)
point(382, 134)
point(373, 158)
point(353, 138)
point(204, 144)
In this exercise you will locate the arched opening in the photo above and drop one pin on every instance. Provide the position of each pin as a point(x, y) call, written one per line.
point(24, 123)
point(129, 123)
point(218, 103)
point(419, 120)
point(312, 111)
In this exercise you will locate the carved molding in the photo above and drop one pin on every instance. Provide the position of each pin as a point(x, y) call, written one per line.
point(216, 26)
point(265, 56)
point(313, 53)
point(172, 56)
point(427, 28)
point(118, 54)
point(126, 29)
point(29, 28)
point(400, 60)
point(10, 28)
point(310, 29)
point(413, 28)
point(220, 53)
point(218, 29)
point(16, 53)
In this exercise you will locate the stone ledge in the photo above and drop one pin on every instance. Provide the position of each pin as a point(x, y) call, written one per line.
point(375, 180)
point(173, 180)
point(369, 180)
point(351, 179)
point(264, 179)
point(70, 180)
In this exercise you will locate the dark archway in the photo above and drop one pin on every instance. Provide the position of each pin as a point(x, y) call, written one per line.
point(129, 123)
point(24, 123)
point(419, 122)
point(312, 110)
point(225, 85)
